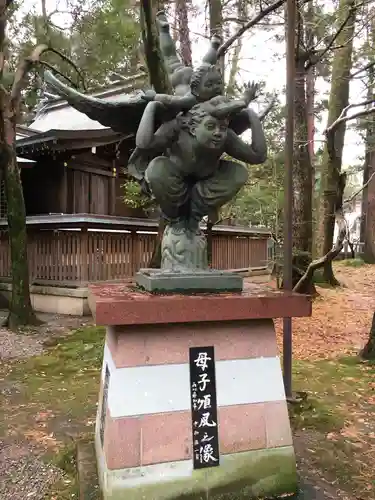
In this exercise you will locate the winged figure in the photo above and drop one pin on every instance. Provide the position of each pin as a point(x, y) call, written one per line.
point(191, 87)
point(122, 115)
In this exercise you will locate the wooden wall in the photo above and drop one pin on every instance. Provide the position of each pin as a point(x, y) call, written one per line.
point(73, 257)
point(42, 187)
point(84, 183)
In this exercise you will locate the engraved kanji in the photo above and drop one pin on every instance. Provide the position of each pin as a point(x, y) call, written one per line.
point(206, 438)
point(205, 402)
point(207, 453)
point(204, 380)
point(205, 421)
point(202, 361)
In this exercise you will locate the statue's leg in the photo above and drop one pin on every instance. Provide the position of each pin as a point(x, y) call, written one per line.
point(179, 74)
point(211, 55)
point(167, 45)
point(181, 250)
point(169, 189)
point(210, 194)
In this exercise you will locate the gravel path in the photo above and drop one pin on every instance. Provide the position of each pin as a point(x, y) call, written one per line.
point(23, 475)
point(14, 345)
point(32, 342)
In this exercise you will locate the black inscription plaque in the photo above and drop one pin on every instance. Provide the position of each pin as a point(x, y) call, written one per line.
point(103, 412)
point(204, 407)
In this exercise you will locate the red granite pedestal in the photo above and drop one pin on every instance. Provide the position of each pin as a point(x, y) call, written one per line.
point(144, 437)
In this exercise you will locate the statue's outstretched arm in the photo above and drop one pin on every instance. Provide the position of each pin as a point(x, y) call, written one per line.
point(254, 153)
point(147, 138)
point(174, 102)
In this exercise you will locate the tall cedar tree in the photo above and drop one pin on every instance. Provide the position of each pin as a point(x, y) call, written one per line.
point(332, 157)
point(20, 309)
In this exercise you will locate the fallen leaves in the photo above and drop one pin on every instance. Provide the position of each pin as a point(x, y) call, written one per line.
point(42, 438)
point(341, 317)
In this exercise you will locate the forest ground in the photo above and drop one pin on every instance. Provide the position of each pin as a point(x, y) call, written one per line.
point(49, 389)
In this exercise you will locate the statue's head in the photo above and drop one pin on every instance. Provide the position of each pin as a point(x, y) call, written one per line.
point(206, 82)
point(208, 121)
point(209, 131)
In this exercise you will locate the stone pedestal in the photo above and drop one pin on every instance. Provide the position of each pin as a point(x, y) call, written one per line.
point(144, 425)
point(184, 266)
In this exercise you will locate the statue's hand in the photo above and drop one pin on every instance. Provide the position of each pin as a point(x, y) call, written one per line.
point(251, 92)
point(149, 95)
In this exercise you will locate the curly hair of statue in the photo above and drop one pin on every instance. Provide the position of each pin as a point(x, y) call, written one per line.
point(198, 75)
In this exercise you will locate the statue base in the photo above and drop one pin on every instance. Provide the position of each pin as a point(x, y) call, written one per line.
point(164, 281)
point(146, 428)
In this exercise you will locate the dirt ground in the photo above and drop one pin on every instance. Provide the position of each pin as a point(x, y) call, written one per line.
point(49, 385)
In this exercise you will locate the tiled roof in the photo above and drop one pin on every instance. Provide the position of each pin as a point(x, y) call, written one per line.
point(57, 114)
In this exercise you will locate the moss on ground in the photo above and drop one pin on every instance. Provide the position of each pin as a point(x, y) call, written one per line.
point(56, 401)
point(336, 421)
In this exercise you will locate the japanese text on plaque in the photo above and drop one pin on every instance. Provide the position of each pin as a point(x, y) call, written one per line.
point(204, 407)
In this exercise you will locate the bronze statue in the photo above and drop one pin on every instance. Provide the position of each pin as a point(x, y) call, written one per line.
point(192, 180)
point(194, 86)
point(180, 143)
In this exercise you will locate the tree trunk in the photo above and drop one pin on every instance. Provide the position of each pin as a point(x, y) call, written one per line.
point(368, 351)
point(368, 195)
point(159, 79)
point(302, 181)
point(156, 70)
point(241, 14)
point(215, 10)
point(210, 225)
point(332, 157)
point(310, 81)
point(20, 309)
point(184, 32)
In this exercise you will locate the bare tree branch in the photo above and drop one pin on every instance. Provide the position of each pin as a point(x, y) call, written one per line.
point(365, 68)
point(70, 62)
point(351, 198)
point(19, 78)
point(263, 13)
point(267, 110)
point(344, 118)
point(328, 257)
point(57, 72)
point(343, 234)
point(23, 69)
point(314, 59)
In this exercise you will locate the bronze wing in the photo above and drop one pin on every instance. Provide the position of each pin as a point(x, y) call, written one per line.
point(122, 115)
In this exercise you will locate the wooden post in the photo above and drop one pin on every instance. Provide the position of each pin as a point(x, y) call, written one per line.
point(85, 257)
point(64, 190)
point(112, 189)
point(135, 253)
point(288, 188)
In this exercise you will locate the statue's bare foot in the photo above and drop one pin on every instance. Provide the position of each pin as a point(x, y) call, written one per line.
point(162, 20)
point(216, 41)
